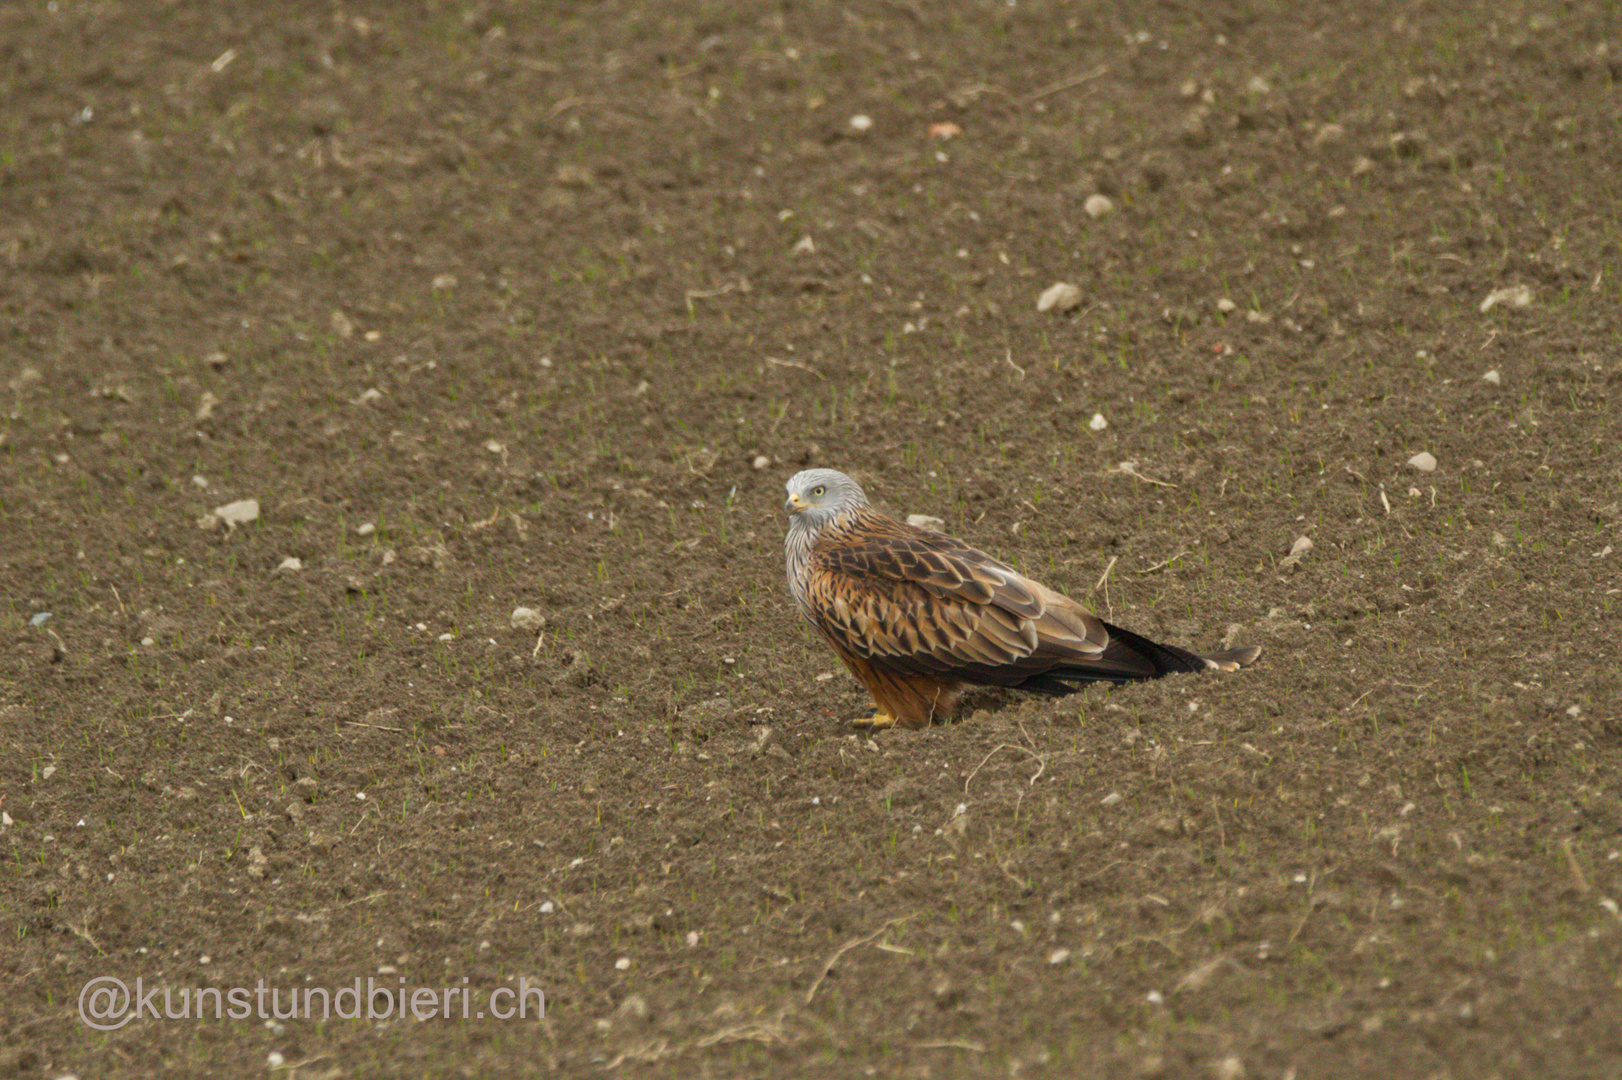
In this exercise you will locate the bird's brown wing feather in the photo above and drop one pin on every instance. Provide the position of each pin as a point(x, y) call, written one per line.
point(922, 603)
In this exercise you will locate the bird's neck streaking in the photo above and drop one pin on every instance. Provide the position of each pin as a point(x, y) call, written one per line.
point(803, 536)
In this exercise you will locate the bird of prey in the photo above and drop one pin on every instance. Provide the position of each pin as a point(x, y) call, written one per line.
point(918, 616)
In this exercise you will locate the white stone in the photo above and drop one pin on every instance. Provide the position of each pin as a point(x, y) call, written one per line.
point(238, 513)
point(861, 122)
point(1098, 423)
point(1097, 206)
point(290, 564)
point(524, 618)
point(1298, 551)
point(1493, 377)
point(366, 529)
point(1515, 296)
point(1424, 461)
point(1061, 295)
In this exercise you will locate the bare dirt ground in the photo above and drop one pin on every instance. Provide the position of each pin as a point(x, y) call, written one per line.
point(494, 305)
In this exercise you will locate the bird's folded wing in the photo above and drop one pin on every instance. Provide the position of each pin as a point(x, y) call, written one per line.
point(931, 606)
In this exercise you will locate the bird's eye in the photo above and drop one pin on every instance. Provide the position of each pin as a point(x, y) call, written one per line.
point(819, 491)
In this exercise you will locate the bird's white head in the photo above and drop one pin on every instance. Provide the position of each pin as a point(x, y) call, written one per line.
point(818, 496)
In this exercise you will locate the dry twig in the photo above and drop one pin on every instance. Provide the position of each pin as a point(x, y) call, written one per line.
point(845, 948)
point(1042, 762)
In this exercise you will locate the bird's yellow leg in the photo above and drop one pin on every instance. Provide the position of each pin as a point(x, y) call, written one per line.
point(876, 722)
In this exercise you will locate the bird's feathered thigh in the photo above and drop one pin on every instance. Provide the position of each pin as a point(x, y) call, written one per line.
point(918, 605)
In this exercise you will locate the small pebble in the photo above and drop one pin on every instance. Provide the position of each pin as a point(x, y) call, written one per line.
point(275, 1060)
point(804, 246)
point(200, 481)
point(1226, 306)
point(1493, 377)
point(1298, 551)
point(1111, 799)
point(1058, 956)
point(623, 964)
point(290, 564)
point(1098, 423)
point(1061, 296)
point(861, 122)
point(40, 619)
point(238, 513)
point(1515, 296)
point(365, 530)
point(524, 618)
point(760, 462)
point(1097, 206)
point(1424, 461)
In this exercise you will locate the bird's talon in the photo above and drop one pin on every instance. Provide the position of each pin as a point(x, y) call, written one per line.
point(875, 721)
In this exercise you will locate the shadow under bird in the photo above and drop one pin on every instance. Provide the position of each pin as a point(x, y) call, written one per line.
point(918, 617)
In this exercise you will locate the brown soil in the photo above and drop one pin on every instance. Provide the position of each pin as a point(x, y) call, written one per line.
point(562, 244)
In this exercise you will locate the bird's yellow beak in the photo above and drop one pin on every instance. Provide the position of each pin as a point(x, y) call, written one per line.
point(794, 505)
